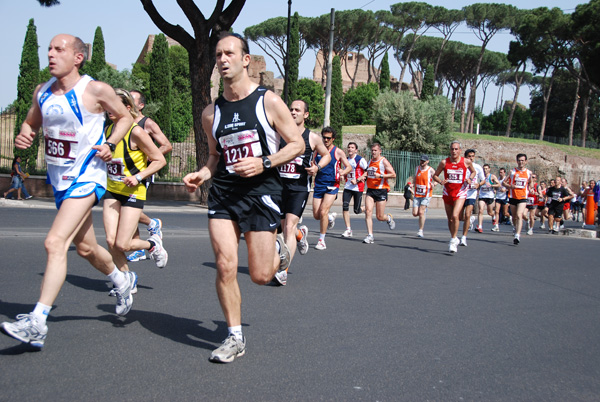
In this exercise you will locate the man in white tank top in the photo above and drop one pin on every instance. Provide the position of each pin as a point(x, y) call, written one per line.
point(70, 109)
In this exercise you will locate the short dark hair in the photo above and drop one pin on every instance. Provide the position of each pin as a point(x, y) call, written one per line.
point(376, 144)
point(487, 164)
point(304, 103)
point(142, 97)
point(328, 130)
point(468, 151)
point(245, 47)
point(353, 143)
point(521, 156)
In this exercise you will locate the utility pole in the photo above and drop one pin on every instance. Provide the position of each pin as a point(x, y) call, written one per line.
point(286, 89)
point(329, 60)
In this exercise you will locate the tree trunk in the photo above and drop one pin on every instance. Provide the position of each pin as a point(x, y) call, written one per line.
point(518, 81)
point(586, 109)
point(546, 91)
point(574, 112)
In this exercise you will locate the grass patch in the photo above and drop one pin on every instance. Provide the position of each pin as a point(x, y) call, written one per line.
point(569, 150)
point(359, 129)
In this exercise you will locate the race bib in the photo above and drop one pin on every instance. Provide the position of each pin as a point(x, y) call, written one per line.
point(455, 176)
point(350, 176)
point(520, 182)
point(244, 144)
point(290, 169)
point(530, 200)
point(61, 146)
point(372, 173)
point(421, 190)
point(115, 169)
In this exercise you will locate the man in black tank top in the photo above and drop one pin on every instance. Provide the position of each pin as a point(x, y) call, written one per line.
point(296, 185)
point(243, 129)
point(154, 226)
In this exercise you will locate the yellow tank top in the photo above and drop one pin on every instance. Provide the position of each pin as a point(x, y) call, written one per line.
point(126, 162)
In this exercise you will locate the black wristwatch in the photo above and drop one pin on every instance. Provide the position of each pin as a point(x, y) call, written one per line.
point(266, 162)
point(111, 146)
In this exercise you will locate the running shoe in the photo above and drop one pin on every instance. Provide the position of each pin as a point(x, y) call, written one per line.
point(420, 234)
point(26, 329)
point(347, 233)
point(479, 229)
point(369, 239)
point(562, 227)
point(321, 245)
point(463, 241)
point(543, 226)
point(529, 231)
point(158, 253)
point(391, 222)
point(280, 278)
point(284, 253)
point(155, 227)
point(452, 246)
point(331, 218)
point(471, 221)
point(303, 243)
point(516, 240)
point(124, 297)
point(495, 228)
point(137, 256)
point(113, 291)
point(231, 348)
point(29, 197)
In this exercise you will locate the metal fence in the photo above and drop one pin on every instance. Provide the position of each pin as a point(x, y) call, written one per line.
point(182, 159)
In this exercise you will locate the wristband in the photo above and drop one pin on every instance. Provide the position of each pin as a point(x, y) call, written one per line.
point(138, 178)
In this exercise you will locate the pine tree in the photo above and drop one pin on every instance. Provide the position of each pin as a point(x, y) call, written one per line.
point(294, 59)
point(29, 71)
point(161, 84)
point(384, 76)
point(337, 99)
point(98, 61)
point(428, 83)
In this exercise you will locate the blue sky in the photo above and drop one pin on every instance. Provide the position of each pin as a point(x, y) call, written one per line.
point(126, 25)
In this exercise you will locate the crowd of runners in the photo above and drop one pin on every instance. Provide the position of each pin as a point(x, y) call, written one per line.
point(262, 164)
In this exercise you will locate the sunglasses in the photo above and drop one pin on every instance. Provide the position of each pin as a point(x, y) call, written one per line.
point(327, 138)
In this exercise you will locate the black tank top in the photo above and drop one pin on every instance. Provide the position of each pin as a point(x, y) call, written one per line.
point(241, 129)
point(293, 173)
point(142, 122)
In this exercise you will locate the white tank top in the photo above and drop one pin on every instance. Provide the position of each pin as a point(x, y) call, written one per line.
point(70, 132)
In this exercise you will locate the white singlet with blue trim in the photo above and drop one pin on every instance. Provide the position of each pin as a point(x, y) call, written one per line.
point(70, 132)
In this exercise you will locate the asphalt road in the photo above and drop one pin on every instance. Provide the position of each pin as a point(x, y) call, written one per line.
point(398, 320)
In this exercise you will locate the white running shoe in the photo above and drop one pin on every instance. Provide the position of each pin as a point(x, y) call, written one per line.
point(26, 329)
point(529, 231)
point(158, 253)
point(321, 245)
point(124, 297)
point(496, 228)
point(471, 221)
point(280, 278)
point(303, 243)
point(155, 227)
point(463, 241)
point(229, 350)
point(420, 234)
point(452, 246)
point(284, 253)
point(331, 218)
point(391, 223)
point(369, 239)
point(347, 233)
point(543, 226)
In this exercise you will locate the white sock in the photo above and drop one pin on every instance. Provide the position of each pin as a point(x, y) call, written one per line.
point(389, 219)
point(348, 228)
point(236, 331)
point(118, 278)
point(322, 236)
point(41, 312)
